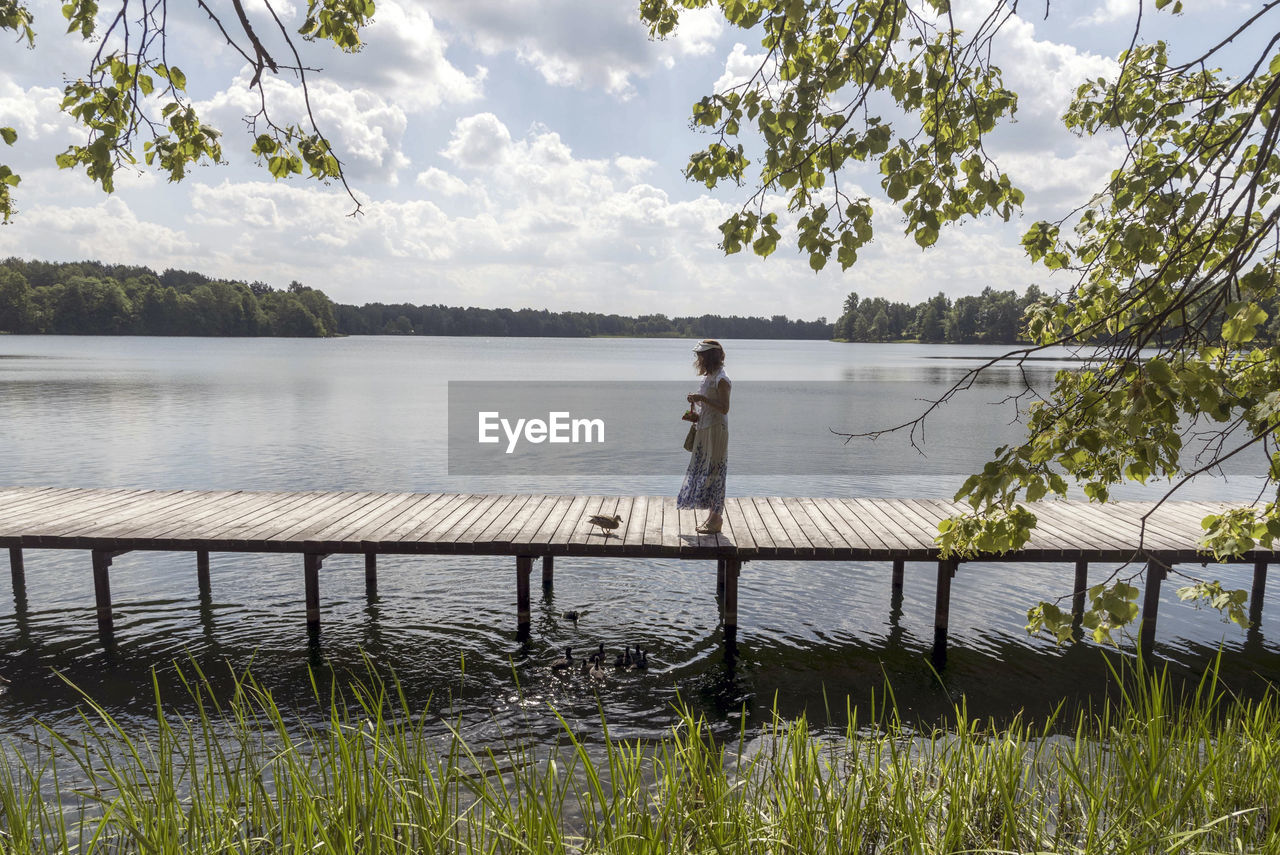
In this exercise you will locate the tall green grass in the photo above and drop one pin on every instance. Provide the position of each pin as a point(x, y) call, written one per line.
point(1154, 771)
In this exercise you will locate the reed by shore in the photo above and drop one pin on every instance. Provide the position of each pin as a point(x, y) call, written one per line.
point(1149, 772)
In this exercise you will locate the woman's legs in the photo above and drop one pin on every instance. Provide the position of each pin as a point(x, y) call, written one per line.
point(704, 483)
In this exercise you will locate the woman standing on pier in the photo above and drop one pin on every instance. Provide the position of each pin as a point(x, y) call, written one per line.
point(704, 481)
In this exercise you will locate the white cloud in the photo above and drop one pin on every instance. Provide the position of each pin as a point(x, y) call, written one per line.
point(366, 131)
point(1110, 11)
point(1044, 73)
point(478, 141)
point(437, 182)
point(1077, 176)
point(404, 61)
point(738, 67)
point(82, 231)
point(34, 113)
point(55, 54)
point(698, 32)
point(590, 212)
point(601, 43)
point(1058, 169)
point(634, 168)
point(539, 226)
point(547, 229)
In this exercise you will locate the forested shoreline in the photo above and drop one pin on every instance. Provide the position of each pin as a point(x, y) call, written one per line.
point(992, 317)
point(93, 298)
point(406, 319)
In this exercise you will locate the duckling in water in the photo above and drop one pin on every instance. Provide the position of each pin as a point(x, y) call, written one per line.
point(593, 665)
point(623, 659)
point(563, 662)
point(639, 661)
point(606, 523)
point(573, 615)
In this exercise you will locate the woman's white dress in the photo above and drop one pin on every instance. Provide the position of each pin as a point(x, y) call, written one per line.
point(708, 463)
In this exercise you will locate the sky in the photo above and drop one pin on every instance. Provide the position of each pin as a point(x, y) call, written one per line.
point(530, 153)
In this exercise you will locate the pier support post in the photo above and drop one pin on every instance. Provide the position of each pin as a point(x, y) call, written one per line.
point(202, 571)
point(1077, 598)
point(311, 563)
point(732, 568)
point(899, 565)
point(548, 571)
point(720, 565)
point(20, 615)
point(102, 592)
point(1156, 572)
point(206, 611)
point(524, 568)
point(942, 611)
point(371, 574)
point(894, 638)
point(1258, 592)
point(17, 568)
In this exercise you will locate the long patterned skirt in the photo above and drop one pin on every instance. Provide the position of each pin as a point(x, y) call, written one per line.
point(708, 464)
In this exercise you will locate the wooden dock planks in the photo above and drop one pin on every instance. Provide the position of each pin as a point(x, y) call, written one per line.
point(773, 527)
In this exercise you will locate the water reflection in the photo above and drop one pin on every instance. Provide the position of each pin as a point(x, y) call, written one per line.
point(717, 674)
point(896, 634)
point(368, 414)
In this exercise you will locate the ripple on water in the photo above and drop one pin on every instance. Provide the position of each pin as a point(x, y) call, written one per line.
point(242, 414)
point(810, 635)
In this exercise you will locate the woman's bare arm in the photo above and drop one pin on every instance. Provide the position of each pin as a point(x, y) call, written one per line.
point(721, 400)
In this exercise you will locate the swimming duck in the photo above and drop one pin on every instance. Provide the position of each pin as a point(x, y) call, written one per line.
point(606, 523)
point(573, 615)
point(639, 660)
point(563, 662)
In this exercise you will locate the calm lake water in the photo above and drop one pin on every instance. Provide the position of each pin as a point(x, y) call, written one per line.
point(369, 413)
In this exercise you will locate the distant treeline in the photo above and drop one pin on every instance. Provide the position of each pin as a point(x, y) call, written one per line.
point(992, 317)
point(995, 317)
point(92, 298)
point(404, 319)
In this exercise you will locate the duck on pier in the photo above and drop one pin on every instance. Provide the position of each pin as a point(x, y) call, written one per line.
point(606, 523)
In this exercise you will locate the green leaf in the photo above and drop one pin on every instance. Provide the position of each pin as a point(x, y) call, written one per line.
point(1159, 371)
point(926, 236)
point(764, 245)
point(9, 135)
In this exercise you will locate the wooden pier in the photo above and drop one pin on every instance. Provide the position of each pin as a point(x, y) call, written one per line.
point(109, 523)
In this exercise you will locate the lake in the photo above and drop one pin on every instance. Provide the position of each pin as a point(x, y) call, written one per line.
point(371, 413)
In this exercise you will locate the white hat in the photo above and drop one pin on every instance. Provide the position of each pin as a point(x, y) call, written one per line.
point(707, 344)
